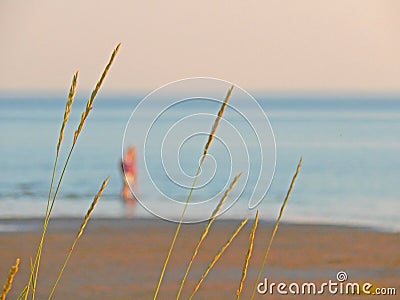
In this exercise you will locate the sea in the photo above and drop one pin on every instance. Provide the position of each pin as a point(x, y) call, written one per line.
point(349, 145)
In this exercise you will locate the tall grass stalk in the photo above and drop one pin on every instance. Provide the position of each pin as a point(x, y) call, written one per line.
point(23, 292)
point(206, 147)
point(7, 286)
point(216, 123)
point(276, 227)
point(68, 106)
point(206, 230)
point(35, 273)
point(217, 257)
point(248, 255)
point(80, 232)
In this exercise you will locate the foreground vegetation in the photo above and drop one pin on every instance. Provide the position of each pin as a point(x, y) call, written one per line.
point(29, 291)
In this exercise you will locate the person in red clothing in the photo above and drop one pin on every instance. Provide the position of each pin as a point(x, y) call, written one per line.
point(128, 166)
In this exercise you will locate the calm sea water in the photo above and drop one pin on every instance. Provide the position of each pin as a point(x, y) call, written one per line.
point(350, 148)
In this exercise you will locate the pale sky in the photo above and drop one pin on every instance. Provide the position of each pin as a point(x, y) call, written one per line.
point(280, 45)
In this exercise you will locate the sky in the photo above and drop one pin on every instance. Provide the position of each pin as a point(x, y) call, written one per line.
point(289, 46)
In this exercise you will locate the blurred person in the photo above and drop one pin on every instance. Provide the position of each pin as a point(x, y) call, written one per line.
point(128, 166)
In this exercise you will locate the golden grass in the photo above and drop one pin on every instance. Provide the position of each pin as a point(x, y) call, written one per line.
point(206, 147)
point(50, 204)
point(206, 230)
point(68, 105)
point(80, 232)
point(7, 286)
point(248, 255)
point(91, 208)
point(216, 123)
point(89, 104)
point(217, 257)
point(34, 266)
point(276, 227)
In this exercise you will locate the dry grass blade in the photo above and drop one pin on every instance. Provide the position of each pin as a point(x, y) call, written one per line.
point(216, 123)
point(33, 282)
point(7, 286)
point(213, 130)
point(80, 232)
point(68, 105)
point(247, 259)
point(91, 208)
point(23, 293)
point(85, 114)
point(34, 271)
point(89, 104)
point(276, 226)
point(217, 257)
point(206, 230)
point(178, 228)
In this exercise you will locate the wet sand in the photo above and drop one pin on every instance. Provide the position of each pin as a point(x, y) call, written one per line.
point(122, 259)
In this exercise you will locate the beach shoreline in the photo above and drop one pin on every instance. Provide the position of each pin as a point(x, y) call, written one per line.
point(33, 224)
point(122, 259)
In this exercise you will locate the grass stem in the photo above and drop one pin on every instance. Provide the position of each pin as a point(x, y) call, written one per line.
point(80, 232)
point(206, 147)
point(217, 257)
point(50, 204)
point(276, 227)
point(247, 259)
point(206, 230)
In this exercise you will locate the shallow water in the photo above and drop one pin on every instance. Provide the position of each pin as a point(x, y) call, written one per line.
point(349, 147)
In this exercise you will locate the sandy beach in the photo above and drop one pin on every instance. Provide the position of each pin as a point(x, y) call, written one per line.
point(122, 259)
